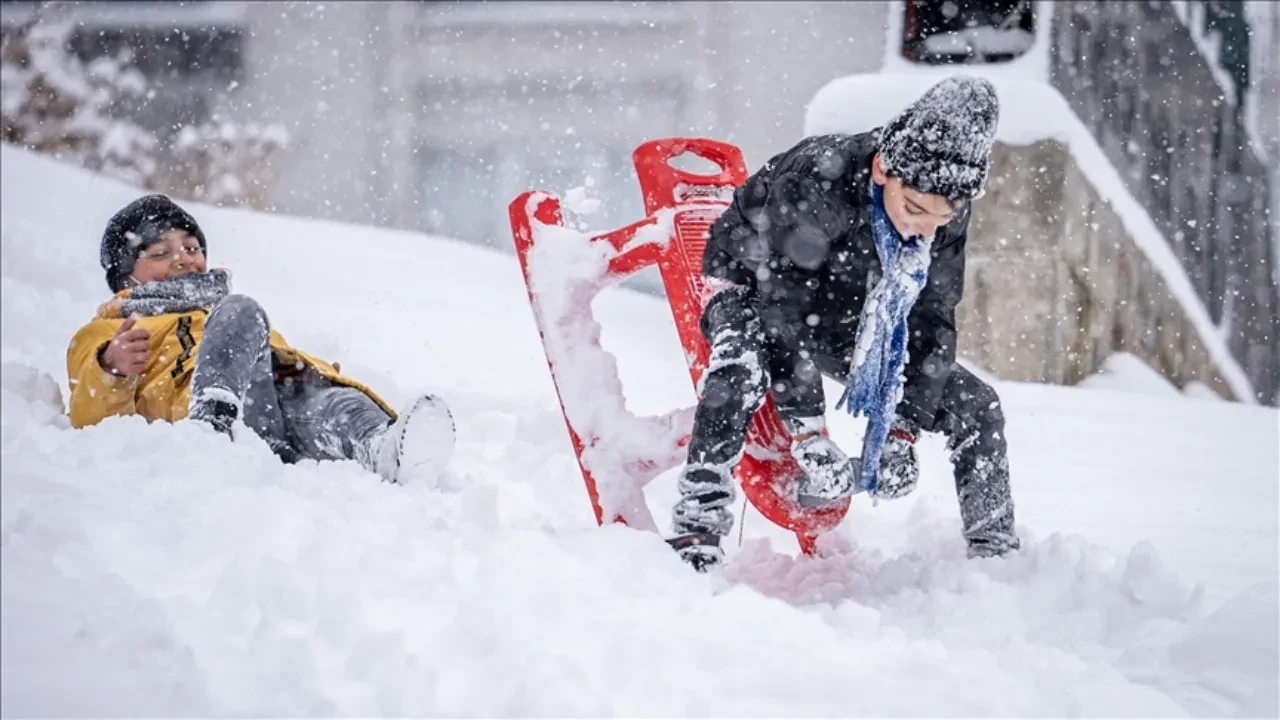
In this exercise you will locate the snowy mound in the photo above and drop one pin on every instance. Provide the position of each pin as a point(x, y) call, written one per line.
point(162, 571)
point(1127, 372)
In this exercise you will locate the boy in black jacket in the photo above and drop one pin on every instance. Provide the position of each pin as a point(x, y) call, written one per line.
point(794, 259)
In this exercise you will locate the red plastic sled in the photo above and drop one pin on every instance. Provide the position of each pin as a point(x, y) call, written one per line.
point(618, 452)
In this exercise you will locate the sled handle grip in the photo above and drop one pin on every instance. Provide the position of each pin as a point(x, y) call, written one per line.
point(661, 151)
point(659, 179)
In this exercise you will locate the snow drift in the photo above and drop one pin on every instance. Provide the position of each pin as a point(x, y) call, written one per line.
point(159, 570)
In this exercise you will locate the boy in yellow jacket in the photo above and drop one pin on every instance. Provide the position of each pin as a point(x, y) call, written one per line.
point(174, 343)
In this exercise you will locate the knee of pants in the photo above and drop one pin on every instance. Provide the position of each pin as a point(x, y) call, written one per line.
point(987, 413)
point(239, 308)
point(740, 385)
point(731, 326)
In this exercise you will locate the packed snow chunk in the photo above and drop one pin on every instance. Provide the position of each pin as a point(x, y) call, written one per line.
point(577, 201)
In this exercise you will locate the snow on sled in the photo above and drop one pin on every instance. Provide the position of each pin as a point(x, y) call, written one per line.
point(618, 452)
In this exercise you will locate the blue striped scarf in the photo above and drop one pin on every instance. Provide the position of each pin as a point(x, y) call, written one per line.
point(874, 384)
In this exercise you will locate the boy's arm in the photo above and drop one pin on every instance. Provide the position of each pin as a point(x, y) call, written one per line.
point(772, 240)
point(932, 327)
point(96, 393)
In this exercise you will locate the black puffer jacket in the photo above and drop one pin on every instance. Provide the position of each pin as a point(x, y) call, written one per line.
point(799, 233)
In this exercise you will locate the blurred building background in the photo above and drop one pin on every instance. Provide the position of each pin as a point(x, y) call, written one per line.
point(432, 116)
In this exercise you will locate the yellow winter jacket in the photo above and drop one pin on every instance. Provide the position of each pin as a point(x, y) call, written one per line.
point(163, 390)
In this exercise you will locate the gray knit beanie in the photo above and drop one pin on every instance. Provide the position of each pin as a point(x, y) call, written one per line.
point(941, 143)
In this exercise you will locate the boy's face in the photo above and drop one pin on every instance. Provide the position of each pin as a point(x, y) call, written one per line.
point(912, 212)
point(175, 254)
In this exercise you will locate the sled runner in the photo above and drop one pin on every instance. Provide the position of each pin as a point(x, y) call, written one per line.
point(564, 269)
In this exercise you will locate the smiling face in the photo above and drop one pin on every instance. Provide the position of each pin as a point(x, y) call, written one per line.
point(174, 254)
point(911, 211)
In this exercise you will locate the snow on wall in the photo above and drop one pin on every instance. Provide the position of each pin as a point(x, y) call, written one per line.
point(1030, 111)
point(1192, 17)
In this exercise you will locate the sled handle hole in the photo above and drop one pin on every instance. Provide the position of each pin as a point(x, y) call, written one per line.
point(693, 163)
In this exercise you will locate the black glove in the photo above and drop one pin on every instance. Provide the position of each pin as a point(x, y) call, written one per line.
point(899, 465)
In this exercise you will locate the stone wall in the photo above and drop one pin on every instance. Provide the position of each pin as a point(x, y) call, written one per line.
point(1170, 120)
point(1054, 284)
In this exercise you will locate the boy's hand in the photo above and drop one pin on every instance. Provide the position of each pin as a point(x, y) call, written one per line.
point(899, 465)
point(128, 351)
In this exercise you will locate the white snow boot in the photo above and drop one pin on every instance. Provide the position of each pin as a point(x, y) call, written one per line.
point(419, 445)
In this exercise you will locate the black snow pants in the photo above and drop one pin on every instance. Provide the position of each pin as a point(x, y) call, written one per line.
point(746, 364)
point(301, 415)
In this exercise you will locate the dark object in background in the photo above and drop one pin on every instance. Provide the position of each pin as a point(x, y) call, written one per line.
point(967, 31)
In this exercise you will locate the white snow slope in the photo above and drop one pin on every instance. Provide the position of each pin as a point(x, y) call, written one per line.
point(158, 570)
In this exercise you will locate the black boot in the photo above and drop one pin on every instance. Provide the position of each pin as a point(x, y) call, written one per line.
point(991, 549)
point(700, 550)
point(219, 414)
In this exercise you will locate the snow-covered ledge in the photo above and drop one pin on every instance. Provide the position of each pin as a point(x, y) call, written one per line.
point(1049, 223)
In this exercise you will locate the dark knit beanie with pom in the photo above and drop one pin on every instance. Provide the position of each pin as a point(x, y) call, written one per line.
point(941, 143)
point(134, 227)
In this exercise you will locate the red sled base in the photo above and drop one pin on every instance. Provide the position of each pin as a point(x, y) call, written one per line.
point(564, 269)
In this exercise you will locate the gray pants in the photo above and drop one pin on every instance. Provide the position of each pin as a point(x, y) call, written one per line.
point(302, 415)
point(745, 367)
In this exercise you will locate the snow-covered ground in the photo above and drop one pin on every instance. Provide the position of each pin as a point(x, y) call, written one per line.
point(162, 571)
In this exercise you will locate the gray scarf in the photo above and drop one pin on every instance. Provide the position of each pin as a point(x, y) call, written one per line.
point(166, 297)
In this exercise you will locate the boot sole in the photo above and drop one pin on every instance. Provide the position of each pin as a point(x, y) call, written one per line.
point(426, 442)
